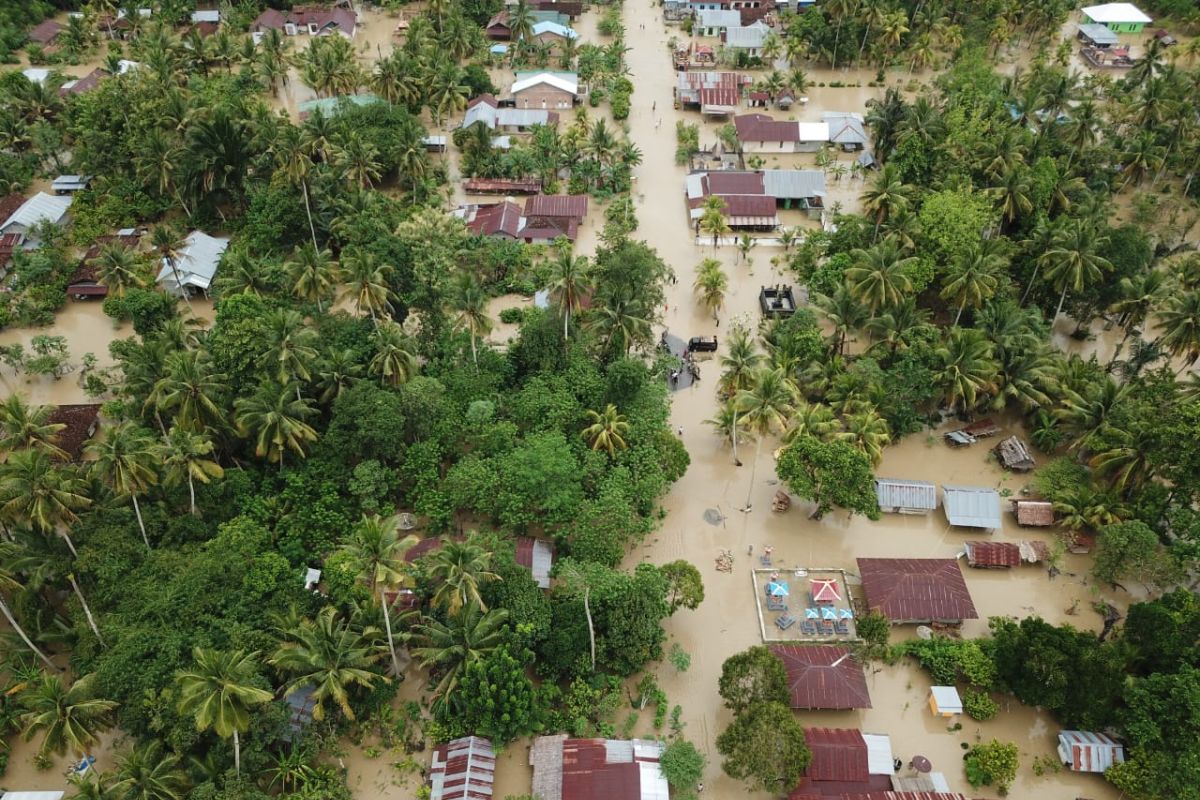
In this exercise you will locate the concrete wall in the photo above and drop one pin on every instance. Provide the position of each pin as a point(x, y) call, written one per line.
point(544, 96)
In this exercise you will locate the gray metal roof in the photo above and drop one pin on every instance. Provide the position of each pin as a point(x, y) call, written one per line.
point(747, 38)
point(794, 183)
point(845, 127)
point(719, 18)
point(897, 493)
point(196, 263)
point(971, 506)
point(1099, 33)
point(40, 207)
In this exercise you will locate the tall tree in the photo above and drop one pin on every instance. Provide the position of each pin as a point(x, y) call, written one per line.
point(570, 281)
point(67, 715)
point(185, 457)
point(458, 569)
point(469, 301)
point(330, 656)
point(24, 427)
point(275, 418)
point(219, 691)
point(124, 461)
point(10, 584)
point(1073, 262)
point(607, 430)
point(35, 492)
point(765, 406)
point(447, 648)
point(376, 550)
point(878, 277)
point(973, 278)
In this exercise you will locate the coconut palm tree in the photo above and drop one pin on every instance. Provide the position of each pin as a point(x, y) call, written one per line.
point(219, 691)
point(868, 433)
point(973, 278)
point(192, 391)
point(458, 569)
point(275, 418)
point(167, 242)
point(1125, 456)
point(69, 716)
point(148, 773)
point(469, 301)
point(447, 648)
point(293, 161)
point(124, 462)
point(1084, 412)
point(966, 368)
point(184, 456)
point(25, 427)
point(35, 492)
point(393, 361)
point(887, 195)
point(358, 159)
point(366, 283)
point(607, 430)
point(765, 406)
point(330, 656)
point(740, 363)
point(290, 348)
point(897, 327)
point(842, 311)
point(1179, 318)
point(622, 322)
point(376, 551)
point(520, 21)
point(712, 220)
point(118, 268)
point(729, 425)
point(1073, 261)
point(10, 584)
point(313, 275)
point(811, 419)
point(711, 284)
point(878, 277)
point(570, 282)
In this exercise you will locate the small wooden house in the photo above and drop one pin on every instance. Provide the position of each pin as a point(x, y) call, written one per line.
point(1084, 751)
point(1015, 455)
point(1033, 513)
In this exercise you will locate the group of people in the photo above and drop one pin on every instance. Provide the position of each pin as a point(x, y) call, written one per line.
point(689, 365)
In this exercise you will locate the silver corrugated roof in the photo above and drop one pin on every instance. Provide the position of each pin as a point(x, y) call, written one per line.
point(897, 493)
point(972, 506)
point(794, 183)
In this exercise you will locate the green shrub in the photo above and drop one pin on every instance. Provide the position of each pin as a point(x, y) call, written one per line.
point(980, 706)
point(512, 316)
point(992, 764)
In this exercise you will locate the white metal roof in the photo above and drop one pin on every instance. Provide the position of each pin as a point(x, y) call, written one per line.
point(36, 74)
point(1098, 33)
point(653, 784)
point(206, 16)
point(749, 37)
point(553, 27)
point(718, 18)
point(40, 207)
point(813, 131)
point(845, 127)
point(125, 65)
point(971, 506)
point(32, 796)
point(1116, 13)
point(880, 760)
point(196, 263)
point(947, 699)
point(558, 81)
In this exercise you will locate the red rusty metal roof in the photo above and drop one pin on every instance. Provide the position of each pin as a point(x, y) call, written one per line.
point(80, 421)
point(993, 554)
point(916, 589)
point(823, 677)
point(734, 183)
point(46, 32)
point(720, 96)
point(884, 795)
point(463, 769)
point(825, 590)
point(84, 84)
point(838, 754)
point(557, 205)
point(1034, 512)
point(761, 128)
point(537, 556)
point(9, 205)
point(498, 218)
point(748, 205)
point(423, 547)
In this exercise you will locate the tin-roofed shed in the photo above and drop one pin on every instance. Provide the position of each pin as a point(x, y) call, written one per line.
point(972, 507)
point(537, 556)
point(898, 496)
point(1014, 454)
point(1084, 751)
point(462, 769)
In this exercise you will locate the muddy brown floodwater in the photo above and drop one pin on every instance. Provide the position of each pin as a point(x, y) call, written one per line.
point(726, 621)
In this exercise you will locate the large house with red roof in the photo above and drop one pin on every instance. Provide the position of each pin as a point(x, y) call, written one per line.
point(916, 590)
point(597, 769)
point(307, 21)
point(823, 678)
